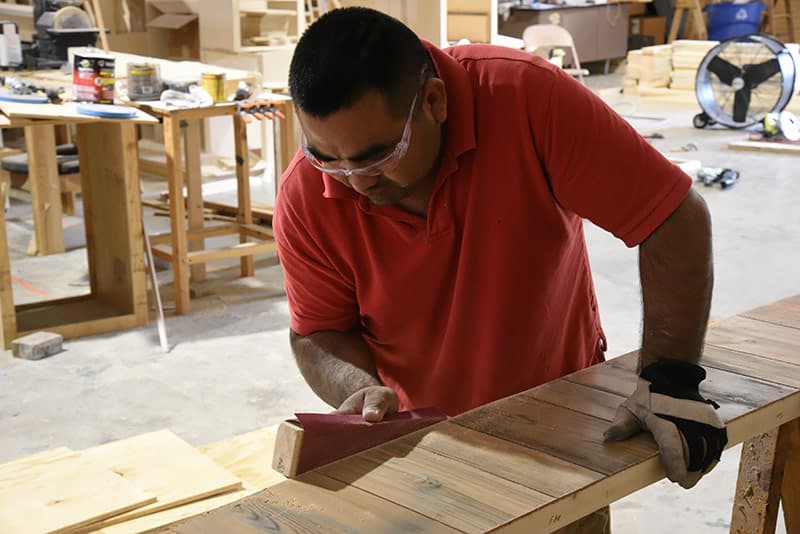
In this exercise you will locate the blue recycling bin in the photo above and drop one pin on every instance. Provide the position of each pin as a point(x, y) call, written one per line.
point(727, 20)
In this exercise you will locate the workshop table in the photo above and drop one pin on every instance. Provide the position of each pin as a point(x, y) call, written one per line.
point(185, 248)
point(536, 461)
point(109, 164)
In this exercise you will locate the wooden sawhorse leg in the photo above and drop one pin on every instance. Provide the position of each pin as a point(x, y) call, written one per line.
point(177, 214)
point(769, 473)
point(194, 191)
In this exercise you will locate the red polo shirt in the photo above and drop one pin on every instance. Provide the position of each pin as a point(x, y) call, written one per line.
point(491, 294)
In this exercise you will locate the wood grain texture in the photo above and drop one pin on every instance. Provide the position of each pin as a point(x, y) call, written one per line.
point(164, 465)
point(766, 369)
point(785, 312)
point(527, 467)
point(574, 437)
point(247, 456)
point(757, 337)
point(32, 467)
point(310, 503)
point(448, 491)
point(68, 494)
point(8, 313)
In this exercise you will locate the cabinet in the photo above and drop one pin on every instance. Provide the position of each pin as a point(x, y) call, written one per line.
point(250, 25)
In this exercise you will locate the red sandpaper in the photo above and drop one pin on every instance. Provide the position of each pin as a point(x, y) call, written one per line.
point(330, 437)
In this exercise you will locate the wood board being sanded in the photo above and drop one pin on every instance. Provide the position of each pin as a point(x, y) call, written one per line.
point(314, 440)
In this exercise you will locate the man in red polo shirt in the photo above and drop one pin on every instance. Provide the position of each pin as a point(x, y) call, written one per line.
point(431, 234)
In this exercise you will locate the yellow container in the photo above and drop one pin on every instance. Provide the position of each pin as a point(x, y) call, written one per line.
point(214, 84)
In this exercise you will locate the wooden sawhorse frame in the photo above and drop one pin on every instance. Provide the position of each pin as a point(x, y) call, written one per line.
point(536, 461)
point(185, 247)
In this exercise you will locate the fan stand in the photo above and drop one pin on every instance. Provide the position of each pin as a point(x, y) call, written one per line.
point(694, 12)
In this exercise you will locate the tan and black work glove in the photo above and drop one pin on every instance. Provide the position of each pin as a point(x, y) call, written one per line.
point(667, 403)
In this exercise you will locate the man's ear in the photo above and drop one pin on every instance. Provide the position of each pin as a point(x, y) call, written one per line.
point(435, 103)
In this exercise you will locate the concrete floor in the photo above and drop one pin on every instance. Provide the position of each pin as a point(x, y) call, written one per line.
point(230, 369)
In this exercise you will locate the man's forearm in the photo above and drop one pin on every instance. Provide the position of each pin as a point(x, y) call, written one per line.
point(334, 364)
point(677, 275)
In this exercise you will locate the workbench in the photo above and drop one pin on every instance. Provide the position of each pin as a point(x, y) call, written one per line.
point(536, 461)
point(112, 214)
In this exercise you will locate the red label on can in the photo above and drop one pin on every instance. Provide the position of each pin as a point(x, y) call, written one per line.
point(93, 79)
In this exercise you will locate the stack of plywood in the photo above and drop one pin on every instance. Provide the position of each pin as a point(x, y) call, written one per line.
point(686, 58)
point(655, 65)
point(131, 485)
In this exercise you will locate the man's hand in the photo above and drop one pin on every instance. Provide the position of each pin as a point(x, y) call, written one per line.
point(373, 403)
point(668, 404)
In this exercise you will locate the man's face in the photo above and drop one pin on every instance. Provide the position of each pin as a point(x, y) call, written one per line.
point(366, 135)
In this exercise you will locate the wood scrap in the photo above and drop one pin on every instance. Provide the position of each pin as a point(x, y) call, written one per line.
point(247, 456)
point(65, 495)
point(164, 465)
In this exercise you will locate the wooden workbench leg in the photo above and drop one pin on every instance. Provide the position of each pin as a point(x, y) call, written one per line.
point(758, 488)
point(45, 189)
point(245, 214)
point(177, 215)
point(109, 160)
point(790, 492)
point(7, 310)
point(194, 190)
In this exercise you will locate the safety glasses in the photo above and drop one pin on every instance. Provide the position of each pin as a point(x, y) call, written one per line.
point(384, 164)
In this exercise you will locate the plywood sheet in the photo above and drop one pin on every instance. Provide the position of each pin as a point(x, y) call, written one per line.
point(31, 467)
point(67, 112)
point(69, 494)
point(163, 464)
point(248, 456)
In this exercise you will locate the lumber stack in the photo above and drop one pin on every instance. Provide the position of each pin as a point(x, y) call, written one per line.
point(668, 72)
point(686, 58)
point(131, 485)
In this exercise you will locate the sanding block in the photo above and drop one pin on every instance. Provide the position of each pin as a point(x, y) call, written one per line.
point(313, 440)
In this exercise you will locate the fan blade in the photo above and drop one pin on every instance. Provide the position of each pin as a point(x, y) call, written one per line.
point(725, 70)
point(741, 103)
point(761, 72)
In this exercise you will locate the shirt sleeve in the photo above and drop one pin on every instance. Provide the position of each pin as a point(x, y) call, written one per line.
point(599, 166)
point(320, 297)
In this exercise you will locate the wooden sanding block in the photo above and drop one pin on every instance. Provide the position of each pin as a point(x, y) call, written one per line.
point(313, 440)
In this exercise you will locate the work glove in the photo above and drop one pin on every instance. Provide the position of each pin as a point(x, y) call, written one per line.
point(667, 403)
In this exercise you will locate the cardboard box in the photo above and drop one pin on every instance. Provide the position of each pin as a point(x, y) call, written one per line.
point(174, 29)
point(656, 27)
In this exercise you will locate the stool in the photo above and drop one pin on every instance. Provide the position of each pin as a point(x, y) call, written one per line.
point(68, 174)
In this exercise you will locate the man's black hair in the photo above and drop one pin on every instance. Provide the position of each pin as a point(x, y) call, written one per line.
point(348, 52)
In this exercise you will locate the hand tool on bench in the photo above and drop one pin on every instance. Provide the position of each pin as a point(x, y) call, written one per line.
point(313, 440)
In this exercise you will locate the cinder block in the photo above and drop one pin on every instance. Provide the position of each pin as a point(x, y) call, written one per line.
point(37, 346)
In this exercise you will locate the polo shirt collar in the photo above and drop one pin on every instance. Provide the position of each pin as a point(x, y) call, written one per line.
point(459, 128)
